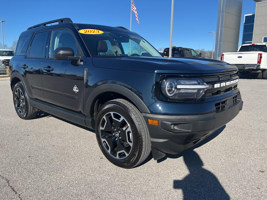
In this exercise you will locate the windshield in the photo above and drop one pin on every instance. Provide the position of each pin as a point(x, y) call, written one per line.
point(194, 53)
point(6, 53)
point(118, 44)
point(254, 48)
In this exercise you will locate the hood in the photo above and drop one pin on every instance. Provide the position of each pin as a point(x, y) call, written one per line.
point(164, 65)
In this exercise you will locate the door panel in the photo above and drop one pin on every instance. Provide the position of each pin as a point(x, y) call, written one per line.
point(36, 61)
point(59, 84)
point(33, 74)
point(63, 80)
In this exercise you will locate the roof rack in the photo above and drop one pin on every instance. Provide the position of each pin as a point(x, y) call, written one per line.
point(122, 28)
point(59, 21)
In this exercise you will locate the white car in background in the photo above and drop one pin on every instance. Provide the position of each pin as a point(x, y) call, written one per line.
point(250, 58)
point(5, 56)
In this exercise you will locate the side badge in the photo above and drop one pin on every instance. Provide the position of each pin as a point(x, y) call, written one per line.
point(75, 89)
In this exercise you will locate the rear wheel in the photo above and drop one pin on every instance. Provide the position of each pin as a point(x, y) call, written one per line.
point(122, 134)
point(21, 102)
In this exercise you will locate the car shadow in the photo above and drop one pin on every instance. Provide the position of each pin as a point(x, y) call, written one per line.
point(199, 183)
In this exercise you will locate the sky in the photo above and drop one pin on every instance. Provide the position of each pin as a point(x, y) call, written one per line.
point(192, 19)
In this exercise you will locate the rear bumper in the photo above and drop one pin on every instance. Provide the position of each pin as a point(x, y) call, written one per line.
point(175, 134)
point(252, 67)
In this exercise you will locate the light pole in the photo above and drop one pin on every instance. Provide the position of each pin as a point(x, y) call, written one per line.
point(172, 11)
point(2, 32)
point(213, 32)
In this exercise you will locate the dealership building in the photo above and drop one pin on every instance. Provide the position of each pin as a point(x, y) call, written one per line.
point(260, 22)
point(228, 25)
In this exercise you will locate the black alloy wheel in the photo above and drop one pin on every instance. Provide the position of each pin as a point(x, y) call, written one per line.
point(19, 102)
point(122, 134)
point(116, 135)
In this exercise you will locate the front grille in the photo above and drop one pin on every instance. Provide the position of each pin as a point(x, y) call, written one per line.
point(223, 90)
point(6, 62)
point(220, 80)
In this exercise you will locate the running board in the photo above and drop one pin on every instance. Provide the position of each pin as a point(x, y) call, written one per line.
point(65, 114)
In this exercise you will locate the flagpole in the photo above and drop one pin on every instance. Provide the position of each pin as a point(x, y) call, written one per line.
point(172, 11)
point(131, 15)
point(130, 26)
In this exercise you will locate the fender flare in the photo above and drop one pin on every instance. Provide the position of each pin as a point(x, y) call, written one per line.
point(119, 89)
point(17, 75)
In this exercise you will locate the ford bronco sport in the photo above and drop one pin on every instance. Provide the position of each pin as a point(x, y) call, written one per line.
point(113, 81)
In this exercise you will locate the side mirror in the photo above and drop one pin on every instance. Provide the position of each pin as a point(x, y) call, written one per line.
point(63, 53)
point(200, 54)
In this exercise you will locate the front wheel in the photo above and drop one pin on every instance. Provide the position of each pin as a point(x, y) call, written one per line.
point(122, 134)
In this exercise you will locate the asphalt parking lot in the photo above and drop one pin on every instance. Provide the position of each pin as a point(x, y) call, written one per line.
point(47, 158)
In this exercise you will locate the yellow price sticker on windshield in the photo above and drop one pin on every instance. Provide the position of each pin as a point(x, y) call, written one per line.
point(91, 31)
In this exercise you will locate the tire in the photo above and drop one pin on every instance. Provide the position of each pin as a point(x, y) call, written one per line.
point(21, 102)
point(259, 75)
point(122, 134)
point(264, 74)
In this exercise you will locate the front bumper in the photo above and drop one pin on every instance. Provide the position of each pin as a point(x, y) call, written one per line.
point(175, 134)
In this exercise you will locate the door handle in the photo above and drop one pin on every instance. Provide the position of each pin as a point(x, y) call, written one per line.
point(48, 69)
point(24, 66)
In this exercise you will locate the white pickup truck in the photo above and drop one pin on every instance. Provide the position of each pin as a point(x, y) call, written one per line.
point(249, 58)
point(5, 56)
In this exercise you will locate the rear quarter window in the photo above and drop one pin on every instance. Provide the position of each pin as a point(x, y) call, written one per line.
point(23, 44)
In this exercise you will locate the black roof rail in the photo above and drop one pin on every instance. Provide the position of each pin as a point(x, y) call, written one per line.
point(122, 28)
point(59, 21)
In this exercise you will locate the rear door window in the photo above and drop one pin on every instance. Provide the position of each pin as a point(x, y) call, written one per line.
point(39, 45)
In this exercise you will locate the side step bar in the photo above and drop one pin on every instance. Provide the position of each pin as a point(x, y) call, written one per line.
point(68, 115)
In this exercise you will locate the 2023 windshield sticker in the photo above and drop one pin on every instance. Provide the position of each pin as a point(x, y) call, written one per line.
point(91, 31)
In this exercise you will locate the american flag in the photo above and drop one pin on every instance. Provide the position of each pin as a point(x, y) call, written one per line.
point(133, 8)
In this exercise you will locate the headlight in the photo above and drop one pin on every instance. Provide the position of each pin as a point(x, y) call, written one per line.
point(183, 89)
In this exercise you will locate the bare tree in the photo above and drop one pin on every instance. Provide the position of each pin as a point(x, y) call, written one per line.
point(205, 53)
point(14, 45)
